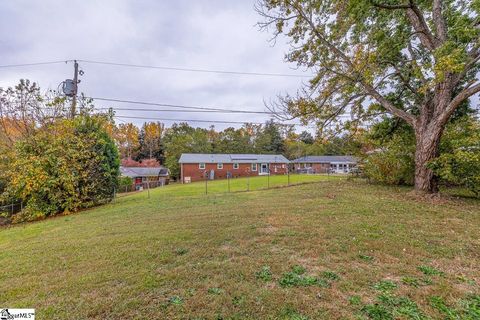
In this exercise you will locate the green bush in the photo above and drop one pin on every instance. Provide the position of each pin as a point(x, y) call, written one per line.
point(63, 167)
point(394, 163)
point(125, 181)
point(459, 162)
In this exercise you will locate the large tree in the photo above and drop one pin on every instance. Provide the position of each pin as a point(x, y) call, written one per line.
point(150, 141)
point(416, 59)
point(126, 136)
point(269, 139)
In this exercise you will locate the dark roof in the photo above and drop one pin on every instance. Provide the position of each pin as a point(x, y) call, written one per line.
point(326, 159)
point(231, 158)
point(133, 172)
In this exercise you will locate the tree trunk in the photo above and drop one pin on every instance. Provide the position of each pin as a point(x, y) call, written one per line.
point(427, 146)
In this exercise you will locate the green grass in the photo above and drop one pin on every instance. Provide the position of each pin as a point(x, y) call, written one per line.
point(241, 184)
point(181, 254)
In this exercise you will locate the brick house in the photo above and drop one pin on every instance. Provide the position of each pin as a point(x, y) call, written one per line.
point(140, 175)
point(197, 166)
point(324, 164)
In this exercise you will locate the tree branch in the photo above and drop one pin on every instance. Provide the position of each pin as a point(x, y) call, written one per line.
point(370, 89)
point(439, 21)
point(459, 98)
point(420, 25)
point(390, 6)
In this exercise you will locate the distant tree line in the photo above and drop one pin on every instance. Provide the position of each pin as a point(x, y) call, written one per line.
point(154, 140)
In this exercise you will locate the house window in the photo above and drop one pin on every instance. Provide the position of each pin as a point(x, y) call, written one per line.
point(235, 166)
point(254, 167)
point(219, 165)
point(201, 166)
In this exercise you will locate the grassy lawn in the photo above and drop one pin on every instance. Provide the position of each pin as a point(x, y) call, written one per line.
point(335, 249)
point(242, 184)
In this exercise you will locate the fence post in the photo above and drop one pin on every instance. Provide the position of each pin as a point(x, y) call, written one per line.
point(248, 182)
point(148, 188)
point(206, 183)
point(114, 194)
point(12, 208)
point(288, 176)
point(228, 182)
point(268, 177)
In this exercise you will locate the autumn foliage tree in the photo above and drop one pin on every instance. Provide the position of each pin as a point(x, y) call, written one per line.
point(63, 167)
point(127, 138)
point(416, 60)
point(150, 141)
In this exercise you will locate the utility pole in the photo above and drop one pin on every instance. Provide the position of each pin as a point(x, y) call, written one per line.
point(75, 88)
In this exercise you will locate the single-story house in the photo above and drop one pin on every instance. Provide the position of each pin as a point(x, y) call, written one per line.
point(325, 164)
point(140, 175)
point(199, 166)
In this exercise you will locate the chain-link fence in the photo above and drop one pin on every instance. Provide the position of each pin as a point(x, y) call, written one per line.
point(251, 183)
point(140, 186)
point(11, 208)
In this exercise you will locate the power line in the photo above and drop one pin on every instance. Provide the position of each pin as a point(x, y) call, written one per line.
point(187, 120)
point(196, 69)
point(183, 107)
point(33, 64)
point(232, 72)
point(186, 111)
point(177, 106)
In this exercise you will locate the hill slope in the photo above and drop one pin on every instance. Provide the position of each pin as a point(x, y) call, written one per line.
point(327, 250)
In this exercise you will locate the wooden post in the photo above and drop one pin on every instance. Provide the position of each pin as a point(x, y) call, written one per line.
point(206, 183)
point(268, 176)
point(148, 188)
point(181, 172)
point(288, 175)
point(228, 182)
point(75, 86)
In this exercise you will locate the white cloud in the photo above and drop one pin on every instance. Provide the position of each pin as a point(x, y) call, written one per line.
point(213, 34)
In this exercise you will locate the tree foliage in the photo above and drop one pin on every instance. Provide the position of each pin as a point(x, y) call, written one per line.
point(393, 162)
point(127, 138)
point(63, 167)
point(182, 138)
point(150, 141)
point(459, 162)
point(270, 140)
point(170, 143)
point(417, 60)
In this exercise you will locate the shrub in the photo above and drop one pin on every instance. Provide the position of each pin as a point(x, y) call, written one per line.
point(461, 167)
point(459, 160)
point(394, 163)
point(63, 167)
point(125, 181)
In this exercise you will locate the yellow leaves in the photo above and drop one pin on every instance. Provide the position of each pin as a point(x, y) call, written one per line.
point(127, 137)
point(364, 62)
point(63, 167)
point(448, 59)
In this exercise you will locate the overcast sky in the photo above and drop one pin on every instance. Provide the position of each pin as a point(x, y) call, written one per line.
point(207, 34)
